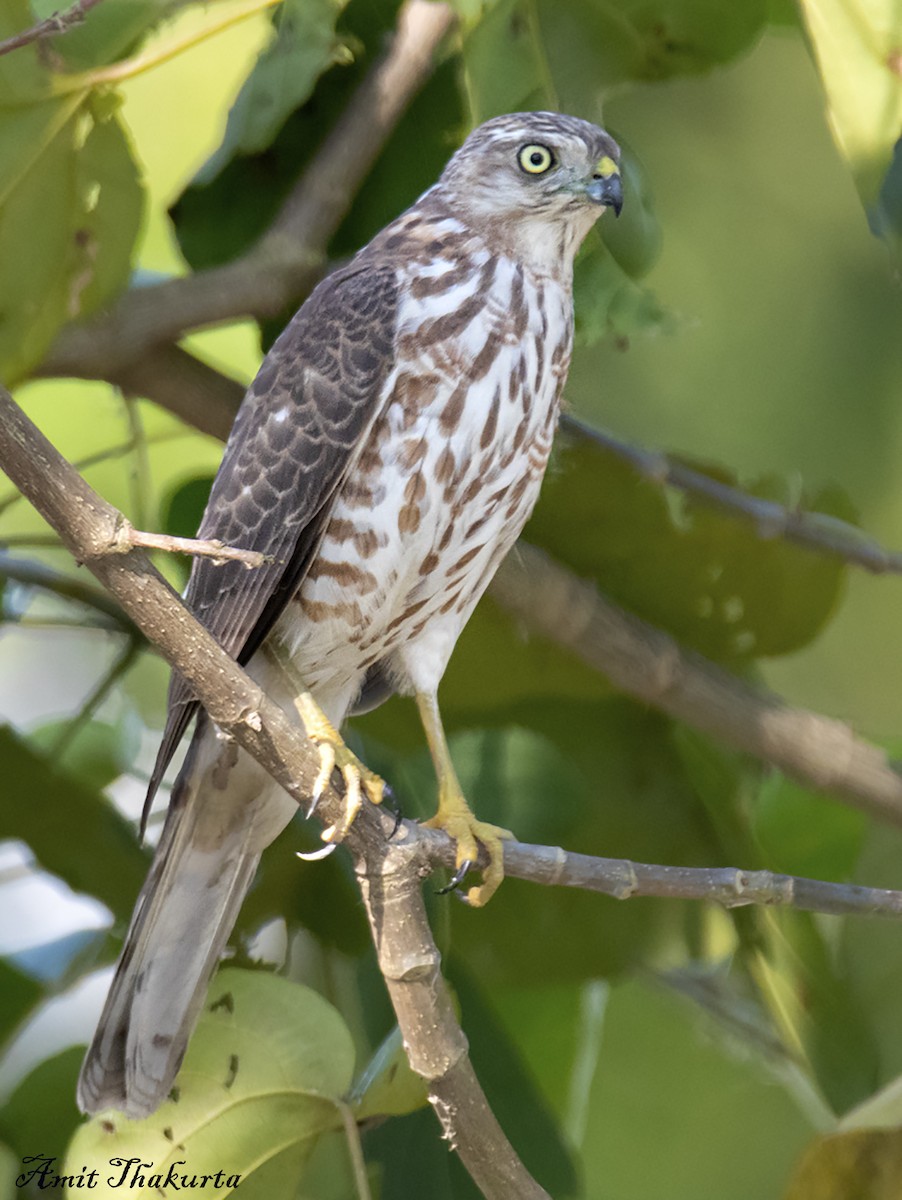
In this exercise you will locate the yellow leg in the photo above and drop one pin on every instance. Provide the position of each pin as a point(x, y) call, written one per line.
point(454, 814)
point(359, 780)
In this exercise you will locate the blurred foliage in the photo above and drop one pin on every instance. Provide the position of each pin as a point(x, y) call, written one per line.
point(640, 1050)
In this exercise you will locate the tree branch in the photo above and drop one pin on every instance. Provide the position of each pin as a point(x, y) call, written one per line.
point(389, 870)
point(647, 663)
point(289, 258)
point(57, 22)
point(815, 531)
point(621, 879)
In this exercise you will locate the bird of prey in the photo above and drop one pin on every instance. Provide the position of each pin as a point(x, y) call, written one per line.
point(384, 460)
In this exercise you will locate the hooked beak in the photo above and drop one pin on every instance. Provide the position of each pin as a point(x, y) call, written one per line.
point(606, 189)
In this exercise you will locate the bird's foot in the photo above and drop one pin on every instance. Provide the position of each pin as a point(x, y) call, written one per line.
point(457, 819)
point(334, 754)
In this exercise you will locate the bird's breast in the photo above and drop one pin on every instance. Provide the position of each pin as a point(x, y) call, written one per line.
point(451, 468)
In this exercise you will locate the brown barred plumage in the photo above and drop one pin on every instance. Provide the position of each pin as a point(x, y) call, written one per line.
point(385, 459)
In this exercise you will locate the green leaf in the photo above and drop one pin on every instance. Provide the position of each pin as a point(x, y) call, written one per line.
point(77, 171)
point(707, 578)
point(814, 1002)
point(413, 1160)
point(505, 68)
point(596, 778)
point(607, 302)
point(305, 44)
point(41, 1113)
point(511, 1091)
point(856, 45)
point(633, 238)
point(111, 201)
point(570, 54)
point(591, 49)
point(21, 72)
point(33, 274)
point(266, 1067)
point(18, 995)
point(182, 508)
point(659, 1117)
point(97, 754)
point(107, 33)
point(10, 1169)
point(684, 37)
point(388, 1086)
point(806, 833)
point(73, 831)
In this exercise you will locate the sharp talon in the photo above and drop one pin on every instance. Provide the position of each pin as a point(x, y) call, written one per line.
point(457, 878)
point(390, 801)
point(316, 855)
point(326, 767)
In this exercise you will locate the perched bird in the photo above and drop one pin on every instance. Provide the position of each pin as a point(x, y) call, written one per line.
point(384, 459)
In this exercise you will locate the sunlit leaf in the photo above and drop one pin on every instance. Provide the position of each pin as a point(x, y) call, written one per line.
point(857, 45)
point(305, 44)
point(80, 176)
point(107, 31)
point(266, 1066)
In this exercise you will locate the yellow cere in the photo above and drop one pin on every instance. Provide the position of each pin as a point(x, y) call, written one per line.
point(606, 167)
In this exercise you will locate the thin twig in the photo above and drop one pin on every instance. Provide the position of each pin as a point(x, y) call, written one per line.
point(99, 456)
point(120, 667)
point(36, 575)
point(648, 663)
point(816, 531)
point(57, 22)
point(127, 538)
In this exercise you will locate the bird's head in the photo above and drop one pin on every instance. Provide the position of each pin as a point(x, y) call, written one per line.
point(536, 182)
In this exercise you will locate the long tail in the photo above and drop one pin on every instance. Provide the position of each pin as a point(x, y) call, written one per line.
point(225, 810)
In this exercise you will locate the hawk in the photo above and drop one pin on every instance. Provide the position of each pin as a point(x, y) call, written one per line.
point(384, 460)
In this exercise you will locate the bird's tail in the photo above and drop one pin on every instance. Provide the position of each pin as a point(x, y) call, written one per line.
point(225, 810)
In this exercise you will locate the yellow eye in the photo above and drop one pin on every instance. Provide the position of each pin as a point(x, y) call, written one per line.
point(535, 159)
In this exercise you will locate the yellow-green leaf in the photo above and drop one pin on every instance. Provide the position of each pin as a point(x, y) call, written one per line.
point(857, 45)
point(268, 1063)
point(864, 1165)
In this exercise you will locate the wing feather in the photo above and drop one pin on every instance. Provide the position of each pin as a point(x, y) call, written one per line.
point(298, 432)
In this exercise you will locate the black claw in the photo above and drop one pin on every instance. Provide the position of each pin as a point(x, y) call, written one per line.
point(457, 878)
point(391, 803)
